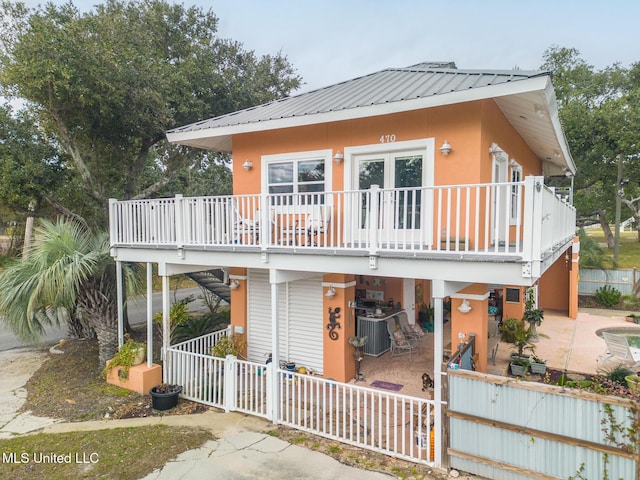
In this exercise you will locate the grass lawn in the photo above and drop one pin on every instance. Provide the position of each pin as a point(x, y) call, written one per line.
point(122, 453)
point(629, 253)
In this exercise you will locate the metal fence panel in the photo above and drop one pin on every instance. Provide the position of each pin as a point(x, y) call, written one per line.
point(507, 429)
point(591, 279)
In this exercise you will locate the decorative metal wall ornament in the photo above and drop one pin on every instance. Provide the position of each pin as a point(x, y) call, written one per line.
point(334, 314)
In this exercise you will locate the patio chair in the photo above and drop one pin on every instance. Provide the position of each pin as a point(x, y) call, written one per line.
point(619, 352)
point(244, 230)
point(317, 223)
point(400, 345)
point(410, 330)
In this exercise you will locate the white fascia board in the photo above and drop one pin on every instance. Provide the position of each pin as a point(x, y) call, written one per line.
point(521, 86)
point(554, 117)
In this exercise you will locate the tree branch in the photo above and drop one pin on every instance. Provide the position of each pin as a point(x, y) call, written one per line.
point(85, 174)
point(55, 204)
point(153, 188)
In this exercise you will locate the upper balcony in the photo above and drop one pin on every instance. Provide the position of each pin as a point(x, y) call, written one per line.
point(505, 222)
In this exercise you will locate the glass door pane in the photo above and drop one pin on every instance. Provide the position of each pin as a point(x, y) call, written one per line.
point(370, 172)
point(407, 203)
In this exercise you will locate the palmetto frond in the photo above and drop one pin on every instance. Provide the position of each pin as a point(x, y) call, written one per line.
point(63, 260)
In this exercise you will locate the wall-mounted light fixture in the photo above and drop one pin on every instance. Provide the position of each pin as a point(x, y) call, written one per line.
point(539, 111)
point(338, 157)
point(331, 292)
point(234, 285)
point(247, 165)
point(464, 307)
point(445, 149)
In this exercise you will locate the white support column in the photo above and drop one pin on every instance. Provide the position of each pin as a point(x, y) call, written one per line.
point(166, 330)
point(119, 298)
point(275, 353)
point(438, 322)
point(149, 315)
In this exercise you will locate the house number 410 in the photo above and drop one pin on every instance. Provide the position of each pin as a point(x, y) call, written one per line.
point(391, 137)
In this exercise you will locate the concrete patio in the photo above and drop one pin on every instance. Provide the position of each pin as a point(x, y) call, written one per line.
point(572, 346)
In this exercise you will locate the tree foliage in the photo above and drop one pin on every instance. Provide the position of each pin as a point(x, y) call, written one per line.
point(108, 83)
point(600, 113)
point(31, 169)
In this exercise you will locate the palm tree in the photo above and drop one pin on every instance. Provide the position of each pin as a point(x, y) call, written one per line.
point(68, 269)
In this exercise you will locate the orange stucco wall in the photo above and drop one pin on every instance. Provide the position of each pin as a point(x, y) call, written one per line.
point(553, 287)
point(513, 309)
point(469, 127)
point(339, 361)
point(239, 301)
point(475, 321)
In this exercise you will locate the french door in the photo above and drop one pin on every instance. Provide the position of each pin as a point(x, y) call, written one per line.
point(401, 202)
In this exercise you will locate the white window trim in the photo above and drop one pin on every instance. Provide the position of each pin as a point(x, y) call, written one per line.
point(426, 144)
point(298, 156)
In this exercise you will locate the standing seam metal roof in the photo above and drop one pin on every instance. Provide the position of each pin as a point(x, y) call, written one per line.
point(383, 87)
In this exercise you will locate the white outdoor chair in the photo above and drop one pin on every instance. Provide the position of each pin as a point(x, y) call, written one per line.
point(619, 352)
point(400, 344)
point(244, 230)
point(317, 223)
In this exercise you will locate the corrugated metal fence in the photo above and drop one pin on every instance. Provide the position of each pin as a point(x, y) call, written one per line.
point(515, 430)
point(592, 279)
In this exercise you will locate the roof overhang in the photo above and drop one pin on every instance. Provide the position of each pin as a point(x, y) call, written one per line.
point(528, 104)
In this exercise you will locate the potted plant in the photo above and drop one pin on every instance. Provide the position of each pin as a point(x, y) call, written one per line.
point(129, 354)
point(633, 382)
point(633, 318)
point(532, 315)
point(165, 396)
point(538, 365)
point(519, 366)
point(513, 331)
point(358, 352)
point(425, 316)
point(230, 345)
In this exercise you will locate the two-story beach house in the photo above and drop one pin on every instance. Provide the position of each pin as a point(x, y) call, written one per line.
point(372, 196)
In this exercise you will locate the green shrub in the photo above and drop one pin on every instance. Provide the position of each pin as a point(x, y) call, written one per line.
point(193, 328)
point(618, 373)
point(630, 302)
point(608, 296)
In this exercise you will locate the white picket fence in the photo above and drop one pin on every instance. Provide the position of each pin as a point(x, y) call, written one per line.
point(385, 422)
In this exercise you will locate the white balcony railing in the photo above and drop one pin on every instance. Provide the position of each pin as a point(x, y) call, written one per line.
point(524, 219)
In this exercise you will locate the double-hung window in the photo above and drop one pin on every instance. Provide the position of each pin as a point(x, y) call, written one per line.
point(299, 178)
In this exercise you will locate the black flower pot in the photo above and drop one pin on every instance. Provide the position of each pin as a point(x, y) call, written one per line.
point(165, 397)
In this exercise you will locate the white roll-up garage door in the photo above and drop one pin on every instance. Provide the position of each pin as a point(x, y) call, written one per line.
point(301, 320)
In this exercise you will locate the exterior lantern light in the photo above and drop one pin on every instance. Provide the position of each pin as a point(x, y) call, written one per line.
point(445, 149)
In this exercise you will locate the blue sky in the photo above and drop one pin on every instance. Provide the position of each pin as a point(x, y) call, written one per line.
point(330, 41)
